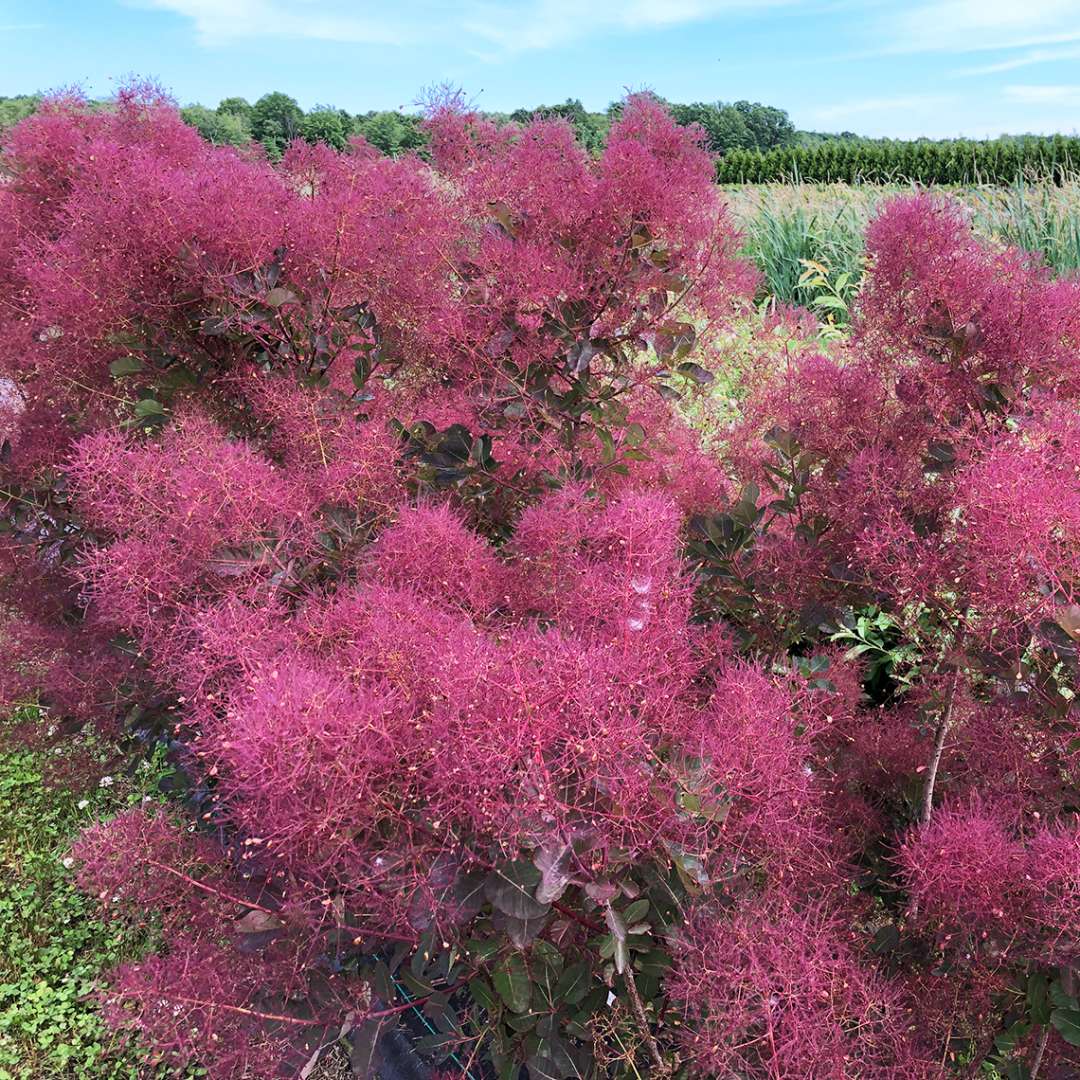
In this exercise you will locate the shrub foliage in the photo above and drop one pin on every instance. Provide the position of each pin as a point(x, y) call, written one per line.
point(364, 483)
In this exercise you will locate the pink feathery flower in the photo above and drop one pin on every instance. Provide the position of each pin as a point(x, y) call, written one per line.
point(966, 872)
point(772, 990)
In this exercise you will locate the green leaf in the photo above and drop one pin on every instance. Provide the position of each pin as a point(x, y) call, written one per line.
point(834, 303)
point(382, 982)
point(177, 378)
point(468, 893)
point(697, 373)
point(573, 984)
point(520, 931)
point(1017, 1070)
point(510, 891)
point(481, 453)
point(365, 1039)
point(436, 1042)
point(858, 650)
point(483, 948)
point(691, 871)
point(551, 1061)
point(636, 911)
point(655, 962)
point(618, 935)
point(548, 956)
point(1061, 998)
point(886, 939)
point(361, 371)
point(1067, 1024)
point(126, 365)
point(524, 1022)
point(1038, 998)
point(483, 994)
point(512, 984)
point(149, 407)
point(607, 443)
point(276, 297)
point(1008, 1040)
point(414, 984)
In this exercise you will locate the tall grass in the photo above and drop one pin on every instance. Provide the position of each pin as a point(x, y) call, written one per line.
point(781, 243)
point(787, 224)
point(1036, 218)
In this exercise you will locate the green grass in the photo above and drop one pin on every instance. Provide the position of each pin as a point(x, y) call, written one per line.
point(781, 243)
point(54, 949)
point(785, 224)
point(1034, 218)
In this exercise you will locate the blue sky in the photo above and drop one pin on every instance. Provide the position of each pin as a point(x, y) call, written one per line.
point(897, 67)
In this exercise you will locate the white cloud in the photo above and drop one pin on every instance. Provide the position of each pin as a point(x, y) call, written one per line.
point(1067, 96)
point(502, 26)
point(541, 24)
point(494, 29)
point(218, 22)
point(976, 25)
point(1035, 56)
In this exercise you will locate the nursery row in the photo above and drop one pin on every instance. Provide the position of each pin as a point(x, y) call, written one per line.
point(953, 161)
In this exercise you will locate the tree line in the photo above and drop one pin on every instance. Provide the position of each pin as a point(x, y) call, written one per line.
point(276, 119)
point(754, 143)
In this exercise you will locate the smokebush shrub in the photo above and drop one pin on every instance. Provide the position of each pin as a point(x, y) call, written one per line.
point(364, 483)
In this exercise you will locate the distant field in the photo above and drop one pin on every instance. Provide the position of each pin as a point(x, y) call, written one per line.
point(785, 224)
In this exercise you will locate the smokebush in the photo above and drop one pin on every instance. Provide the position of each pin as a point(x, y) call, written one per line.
point(365, 484)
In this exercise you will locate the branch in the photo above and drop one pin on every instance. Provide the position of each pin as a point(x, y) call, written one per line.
point(394, 1010)
point(643, 1024)
point(570, 913)
point(240, 1010)
point(195, 883)
point(1036, 1063)
point(935, 760)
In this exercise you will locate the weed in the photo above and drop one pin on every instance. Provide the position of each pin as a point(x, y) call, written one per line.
point(53, 948)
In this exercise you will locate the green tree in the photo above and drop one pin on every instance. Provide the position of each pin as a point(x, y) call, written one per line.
point(769, 126)
point(14, 109)
point(745, 125)
point(275, 122)
point(325, 124)
point(724, 125)
point(391, 132)
point(236, 106)
point(590, 129)
point(222, 129)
